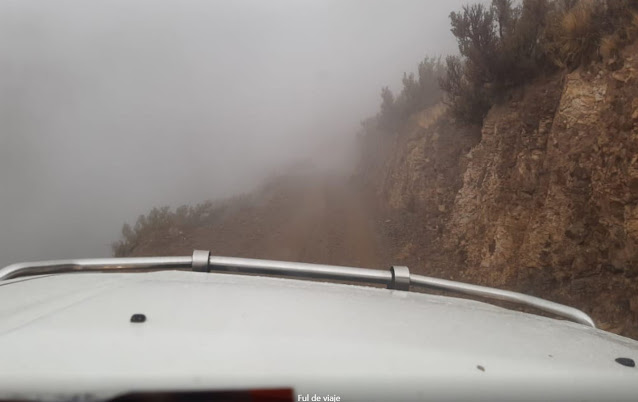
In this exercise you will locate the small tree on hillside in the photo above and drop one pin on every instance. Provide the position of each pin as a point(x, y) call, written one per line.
point(506, 16)
point(421, 91)
point(468, 101)
point(430, 72)
point(520, 54)
point(500, 48)
point(408, 101)
point(474, 29)
point(388, 116)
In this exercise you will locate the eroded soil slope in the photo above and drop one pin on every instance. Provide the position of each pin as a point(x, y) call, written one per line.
point(306, 218)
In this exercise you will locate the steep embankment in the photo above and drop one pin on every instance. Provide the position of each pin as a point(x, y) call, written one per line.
point(550, 197)
point(544, 202)
point(414, 176)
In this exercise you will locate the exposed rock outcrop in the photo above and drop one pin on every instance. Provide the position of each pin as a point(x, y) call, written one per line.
point(545, 203)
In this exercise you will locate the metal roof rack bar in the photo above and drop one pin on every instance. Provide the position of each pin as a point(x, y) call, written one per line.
point(247, 265)
point(560, 310)
point(94, 265)
point(299, 269)
point(396, 278)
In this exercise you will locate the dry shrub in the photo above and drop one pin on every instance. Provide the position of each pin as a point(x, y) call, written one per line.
point(573, 35)
point(580, 32)
point(162, 219)
point(632, 26)
point(620, 18)
point(609, 48)
point(468, 100)
point(510, 43)
point(419, 92)
point(578, 21)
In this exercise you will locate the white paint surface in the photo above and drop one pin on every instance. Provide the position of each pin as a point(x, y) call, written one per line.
point(70, 334)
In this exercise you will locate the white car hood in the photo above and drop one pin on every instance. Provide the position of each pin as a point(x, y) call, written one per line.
point(70, 335)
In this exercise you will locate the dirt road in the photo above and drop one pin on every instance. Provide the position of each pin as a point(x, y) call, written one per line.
point(307, 218)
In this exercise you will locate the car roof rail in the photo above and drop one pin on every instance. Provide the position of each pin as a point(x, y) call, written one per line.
point(397, 277)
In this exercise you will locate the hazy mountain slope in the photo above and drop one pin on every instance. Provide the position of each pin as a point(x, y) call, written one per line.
point(543, 199)
point(302, 217)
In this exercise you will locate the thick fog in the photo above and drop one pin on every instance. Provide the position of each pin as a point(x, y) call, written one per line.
point(108, 108)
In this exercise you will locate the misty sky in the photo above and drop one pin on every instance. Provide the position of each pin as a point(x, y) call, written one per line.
point(108, 108)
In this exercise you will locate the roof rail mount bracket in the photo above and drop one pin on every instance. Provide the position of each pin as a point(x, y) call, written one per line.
point(200, 260)
point(400, 278)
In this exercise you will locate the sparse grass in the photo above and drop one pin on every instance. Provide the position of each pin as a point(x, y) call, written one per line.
point(574, 35)
point(590, 30)
point(577, 22)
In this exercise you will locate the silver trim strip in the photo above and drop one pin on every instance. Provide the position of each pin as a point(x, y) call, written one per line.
point(397, 277)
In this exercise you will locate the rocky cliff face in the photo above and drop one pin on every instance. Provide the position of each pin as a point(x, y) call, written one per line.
point(414, 175)
point(544, 200)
